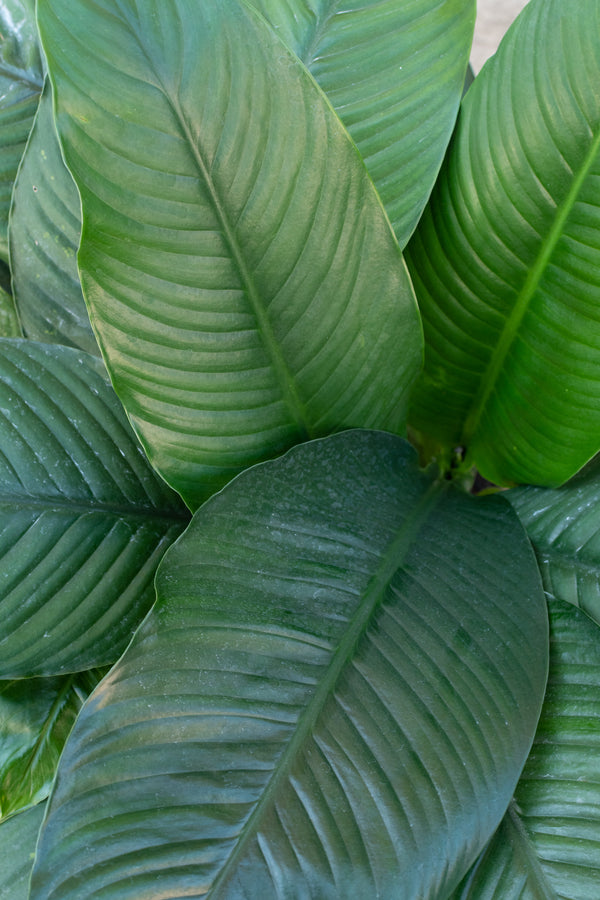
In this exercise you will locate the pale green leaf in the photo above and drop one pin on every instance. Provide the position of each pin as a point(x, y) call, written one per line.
point(242, 277)
point(394, 73)
point(45, 227)
point(506, 260)
point(548, 846)
point(333, 697)
point(84, 521)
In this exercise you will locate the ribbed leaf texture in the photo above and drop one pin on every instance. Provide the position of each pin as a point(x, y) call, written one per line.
point(333, 697)
point(36, 716)
point(45, 228)
point(564, 527)
point(241, 274)
point(506, 260)
point(84, 520)
point(394, 72)
point(21, 79)
point(18, 837)
point(548, 846)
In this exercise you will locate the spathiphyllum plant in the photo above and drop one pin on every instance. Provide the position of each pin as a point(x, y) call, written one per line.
point(299, 416)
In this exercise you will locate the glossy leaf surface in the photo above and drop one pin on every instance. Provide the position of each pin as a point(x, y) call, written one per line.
point(241, 274)
point(18, 837)
point(36, 716)
point(394, 73)
point(564, 527)
point(21, 78)
point(84, 521)
point(45, 228)
point(506, 260)
point(547, 847)
point(330, 698)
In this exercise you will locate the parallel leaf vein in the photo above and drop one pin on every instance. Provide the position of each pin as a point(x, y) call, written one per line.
point(526, 294)
point(358, 625)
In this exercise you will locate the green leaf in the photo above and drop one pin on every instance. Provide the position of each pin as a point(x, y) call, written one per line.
point(242, 277)
point(10, 325)
point(84, 521)
point(45, 228)
point(21, 78)
point(333, 697)
point(547, 846)
point(564, 527)
point(394, 72)
point(506, 261)
point(18, 837)
point(36, 716)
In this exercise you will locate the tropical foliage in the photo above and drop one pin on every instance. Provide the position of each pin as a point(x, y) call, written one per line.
point(299, 410)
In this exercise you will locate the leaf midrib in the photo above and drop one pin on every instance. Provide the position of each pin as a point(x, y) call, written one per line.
point(284, 375)
point(313, 39)
point(525, 851)
point(391, 560)
point(79, 507)
point(534, 277)
point(32, 757)
point(272, 349)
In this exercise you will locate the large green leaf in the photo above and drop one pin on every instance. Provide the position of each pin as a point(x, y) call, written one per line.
point(36, 716)
point(21, 78)
point(506, 261)
point(548, 845)
point(18, 837)
point(564, 527)
point(45, 227)
point(84, 521)
point(242, 277)
point(394, 72)
point(333, 696)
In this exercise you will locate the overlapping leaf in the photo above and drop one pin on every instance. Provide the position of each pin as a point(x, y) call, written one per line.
point(394, 72)
point(84, 521)
point(548, 846)
point(241, 274)
point(36, 716)
point(328, 700)
point(506, 261)
point(9, 320)
point(18, 837)
point(45, 227)
point(21, 78)
point(564, 527)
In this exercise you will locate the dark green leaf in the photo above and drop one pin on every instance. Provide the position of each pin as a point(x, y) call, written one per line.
point(548, 846)
point(36, 716)
point(333, 697)
point(241, 274)
point(564, 527)
point(394, 72)
point(9, 320)
point(45, 227)
point(21, 78)
point(506, 260)
point(18, 837)
point(84, 521)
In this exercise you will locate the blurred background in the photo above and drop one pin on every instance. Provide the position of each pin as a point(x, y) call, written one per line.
point(493, 18)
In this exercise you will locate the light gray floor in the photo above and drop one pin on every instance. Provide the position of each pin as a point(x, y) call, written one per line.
point(493, 18)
